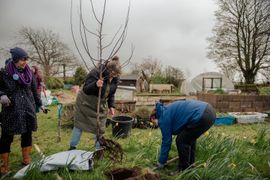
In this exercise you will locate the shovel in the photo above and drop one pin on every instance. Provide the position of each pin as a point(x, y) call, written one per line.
point(59, 110)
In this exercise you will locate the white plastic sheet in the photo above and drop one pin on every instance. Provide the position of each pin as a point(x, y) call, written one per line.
point(74, 160)
point(46, 98)
point(248, 117)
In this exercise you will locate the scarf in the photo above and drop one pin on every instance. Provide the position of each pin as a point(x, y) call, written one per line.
point(24, 76)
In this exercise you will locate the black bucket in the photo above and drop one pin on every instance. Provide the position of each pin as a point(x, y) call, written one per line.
point(121, 126)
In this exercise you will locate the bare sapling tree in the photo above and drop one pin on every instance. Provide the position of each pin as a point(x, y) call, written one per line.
point(104, 49)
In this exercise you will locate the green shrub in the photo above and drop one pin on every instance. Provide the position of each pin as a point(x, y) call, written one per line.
point(53, 82)
point(219, 91)
point(247, 88)
point(143, 112)
point(69, 80)
point(79, 76)
point(159, 79)
point(264, 90)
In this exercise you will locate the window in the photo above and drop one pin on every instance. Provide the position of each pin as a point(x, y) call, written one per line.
point(211, 83)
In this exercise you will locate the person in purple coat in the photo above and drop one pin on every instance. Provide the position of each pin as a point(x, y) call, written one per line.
point(188, 120)
point(19, 99)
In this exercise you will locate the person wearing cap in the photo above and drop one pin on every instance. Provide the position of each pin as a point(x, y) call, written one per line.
point(188, 120)
point(19, 98)
point(85, 117)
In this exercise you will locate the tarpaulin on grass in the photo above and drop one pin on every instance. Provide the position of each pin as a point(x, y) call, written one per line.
point(74, 160)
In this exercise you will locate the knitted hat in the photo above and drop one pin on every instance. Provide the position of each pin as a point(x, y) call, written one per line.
point(17, 54)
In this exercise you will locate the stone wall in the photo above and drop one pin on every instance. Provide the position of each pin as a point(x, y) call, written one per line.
point(237, 103)
point(150, 100)
point(125, 106)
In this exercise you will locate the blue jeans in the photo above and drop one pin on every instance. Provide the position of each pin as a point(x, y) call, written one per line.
point(75, 138)
point(76, 135)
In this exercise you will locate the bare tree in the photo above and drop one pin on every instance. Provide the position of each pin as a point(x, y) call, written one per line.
point(4, 55)
point(46, 50)
point(266, 75)
point(174, 75)
point(148, 68)
point(231, 72)
point(241, 39)
point(86, 37)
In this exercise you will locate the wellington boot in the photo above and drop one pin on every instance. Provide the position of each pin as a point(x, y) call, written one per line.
point(26, 155)
point(4, 164)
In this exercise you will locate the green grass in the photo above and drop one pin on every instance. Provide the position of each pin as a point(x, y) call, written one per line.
point(228, 152)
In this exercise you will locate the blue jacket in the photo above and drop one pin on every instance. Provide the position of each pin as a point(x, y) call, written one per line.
point(172, 119)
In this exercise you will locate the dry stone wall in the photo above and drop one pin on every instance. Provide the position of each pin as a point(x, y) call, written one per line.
point(237, 103)
point(145, 100)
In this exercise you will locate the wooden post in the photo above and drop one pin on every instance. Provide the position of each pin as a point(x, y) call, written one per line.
point(64, 72)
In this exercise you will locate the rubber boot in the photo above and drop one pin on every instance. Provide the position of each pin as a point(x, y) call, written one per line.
point(5, 164)
point(26, 155)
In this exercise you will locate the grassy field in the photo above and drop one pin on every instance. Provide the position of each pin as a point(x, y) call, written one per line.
point(226, 152)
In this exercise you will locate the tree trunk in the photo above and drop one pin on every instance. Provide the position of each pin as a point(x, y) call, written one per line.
point(249, 77)
point(64, 72)
point(47, 70)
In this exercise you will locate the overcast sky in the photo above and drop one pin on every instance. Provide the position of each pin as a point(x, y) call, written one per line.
point(172, 31)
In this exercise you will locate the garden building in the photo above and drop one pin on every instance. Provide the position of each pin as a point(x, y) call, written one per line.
point(205, 82)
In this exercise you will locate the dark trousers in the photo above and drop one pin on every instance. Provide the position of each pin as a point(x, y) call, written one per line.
point(186, 140)
point(6, 140)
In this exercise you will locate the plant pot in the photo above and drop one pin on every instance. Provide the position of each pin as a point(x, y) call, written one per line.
point(121, 126)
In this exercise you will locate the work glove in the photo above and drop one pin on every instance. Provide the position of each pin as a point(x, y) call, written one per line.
point(4, 100)
point(44, 109)
point(159, 165)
